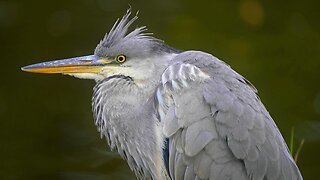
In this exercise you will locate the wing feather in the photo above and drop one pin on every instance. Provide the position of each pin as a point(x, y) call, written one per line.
point(216, 124)
point(180, 167)
point(198, 135)
point(170, 125)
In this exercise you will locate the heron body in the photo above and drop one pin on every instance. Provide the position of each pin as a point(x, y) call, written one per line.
point(177, 114)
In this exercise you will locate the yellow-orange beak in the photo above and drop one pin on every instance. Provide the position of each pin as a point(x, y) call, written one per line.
point(84, 64)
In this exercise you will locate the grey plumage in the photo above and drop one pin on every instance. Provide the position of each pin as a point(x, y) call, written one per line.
point(216, 126)
point(223, 116)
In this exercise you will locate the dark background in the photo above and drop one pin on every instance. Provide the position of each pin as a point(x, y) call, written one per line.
point(46, 125)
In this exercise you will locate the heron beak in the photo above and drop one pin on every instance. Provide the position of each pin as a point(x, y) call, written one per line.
point(83, 64)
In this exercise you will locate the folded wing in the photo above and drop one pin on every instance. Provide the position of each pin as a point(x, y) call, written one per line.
point(216, 125)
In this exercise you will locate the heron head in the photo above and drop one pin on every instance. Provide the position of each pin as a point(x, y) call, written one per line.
point(136, 54)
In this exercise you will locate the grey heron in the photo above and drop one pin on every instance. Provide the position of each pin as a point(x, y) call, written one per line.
point(176, 114)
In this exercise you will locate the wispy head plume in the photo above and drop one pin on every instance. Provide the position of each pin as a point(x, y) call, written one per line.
point(119, 31)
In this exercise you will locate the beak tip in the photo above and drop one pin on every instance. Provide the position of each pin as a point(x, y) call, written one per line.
point(24, 68)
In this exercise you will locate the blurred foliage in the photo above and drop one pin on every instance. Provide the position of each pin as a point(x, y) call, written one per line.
point(46, 126)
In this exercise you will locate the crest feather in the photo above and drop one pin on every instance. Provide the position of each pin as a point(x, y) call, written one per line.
point(119, 31)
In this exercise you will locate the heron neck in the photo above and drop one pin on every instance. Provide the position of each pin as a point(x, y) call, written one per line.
point(125, 116)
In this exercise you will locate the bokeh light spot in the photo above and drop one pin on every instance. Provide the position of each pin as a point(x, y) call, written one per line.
point(252, 13)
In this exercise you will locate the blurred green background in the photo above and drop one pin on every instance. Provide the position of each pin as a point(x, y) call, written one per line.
point(46, 124)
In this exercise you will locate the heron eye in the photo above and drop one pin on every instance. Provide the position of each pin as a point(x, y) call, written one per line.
point(121, 58)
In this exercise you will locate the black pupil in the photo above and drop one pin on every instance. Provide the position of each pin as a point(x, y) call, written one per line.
point(121, 58)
